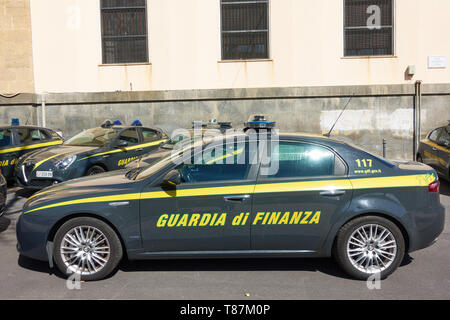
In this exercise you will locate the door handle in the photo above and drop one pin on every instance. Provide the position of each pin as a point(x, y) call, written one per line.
point(434, 149)
point(332, 193)
point(139, 150)
point(239, 198)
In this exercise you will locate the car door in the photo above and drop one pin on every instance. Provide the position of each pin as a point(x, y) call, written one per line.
point(295, 205)
point(430, 149)
point(443, 151)
point(127, 153)
point(8, 154)
point(208, 211)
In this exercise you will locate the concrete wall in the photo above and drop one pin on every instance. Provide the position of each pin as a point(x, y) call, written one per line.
point(374, 113)
point(16, 62)
point(306, 41)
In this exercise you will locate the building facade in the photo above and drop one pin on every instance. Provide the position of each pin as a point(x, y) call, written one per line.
point(168, 61)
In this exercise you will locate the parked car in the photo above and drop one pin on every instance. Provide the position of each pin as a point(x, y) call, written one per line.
point(324, 198)
point(435, 151)
point(3, 194)
point(17, 140)
point(206, 129)
point(97, 150)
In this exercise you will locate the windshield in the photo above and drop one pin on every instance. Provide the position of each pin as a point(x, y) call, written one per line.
point(173, 157)
point(96, 137)
point(172, 142)
point(189, 137)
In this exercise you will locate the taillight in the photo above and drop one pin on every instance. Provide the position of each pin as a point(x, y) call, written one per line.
point(434, 187)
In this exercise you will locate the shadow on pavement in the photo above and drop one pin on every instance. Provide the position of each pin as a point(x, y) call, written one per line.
point(324, 265)
point(445, 188)
point(38, 266)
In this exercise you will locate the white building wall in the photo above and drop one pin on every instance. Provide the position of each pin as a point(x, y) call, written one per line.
point(306, 48)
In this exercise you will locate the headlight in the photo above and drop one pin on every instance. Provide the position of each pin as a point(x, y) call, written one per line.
point(67, 162)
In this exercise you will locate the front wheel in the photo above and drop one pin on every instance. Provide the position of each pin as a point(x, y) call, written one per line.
point(369, 245)
point(88, 248)
point(95, 170)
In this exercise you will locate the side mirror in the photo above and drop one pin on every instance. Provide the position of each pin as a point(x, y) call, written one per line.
point(122, 144)
point(171, 179)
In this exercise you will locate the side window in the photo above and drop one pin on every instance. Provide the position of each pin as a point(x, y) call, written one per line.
point(45, 135)
point(224, 163)
point(444, 139)
point(301, 160)
point(5, 138)
point(149, 135)
point(434, 135)
point(30, 135)
point(130, 136)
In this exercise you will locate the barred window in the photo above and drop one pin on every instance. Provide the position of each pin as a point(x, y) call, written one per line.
point(369, 27)
point(245, 29)
point(124, 31)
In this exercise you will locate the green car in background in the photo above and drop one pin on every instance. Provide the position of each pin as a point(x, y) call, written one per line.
point(17, 140)
point(435, 151)
point(97, 150)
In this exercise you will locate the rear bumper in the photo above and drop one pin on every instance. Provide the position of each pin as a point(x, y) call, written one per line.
point(427, 226)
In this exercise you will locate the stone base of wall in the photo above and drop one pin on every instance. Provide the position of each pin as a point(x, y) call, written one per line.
point(373, 113)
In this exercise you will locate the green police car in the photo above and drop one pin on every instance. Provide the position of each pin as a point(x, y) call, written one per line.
point(97, 150)
point(434, 151)
point(17, 140)
point(246, 194)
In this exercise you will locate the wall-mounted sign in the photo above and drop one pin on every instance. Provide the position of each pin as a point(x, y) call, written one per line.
point(437, 62)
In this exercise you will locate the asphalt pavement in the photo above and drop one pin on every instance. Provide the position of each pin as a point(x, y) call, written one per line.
point(423, 275)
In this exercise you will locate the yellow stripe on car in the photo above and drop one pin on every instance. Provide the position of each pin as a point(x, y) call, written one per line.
point(138, 146)
point(32, 146)
point(302, 186)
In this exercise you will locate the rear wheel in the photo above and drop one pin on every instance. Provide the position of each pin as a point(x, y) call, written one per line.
point(369, 245)
point(95, 170)
point(88, 248)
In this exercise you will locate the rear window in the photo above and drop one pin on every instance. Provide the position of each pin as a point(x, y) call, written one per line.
point(301, 160)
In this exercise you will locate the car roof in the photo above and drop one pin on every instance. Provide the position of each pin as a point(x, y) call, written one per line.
point(121, 127)
point(8, 126)
point(293, 136)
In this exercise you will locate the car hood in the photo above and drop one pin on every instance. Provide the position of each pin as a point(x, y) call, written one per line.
point(56, 153)
point(109, 183)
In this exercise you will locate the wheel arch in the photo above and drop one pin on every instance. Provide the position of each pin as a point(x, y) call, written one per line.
point(98, 164)
point(59, 223)
point(377, 214)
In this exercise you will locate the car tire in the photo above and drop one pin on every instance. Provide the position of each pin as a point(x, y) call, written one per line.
point(419, 158)
point(95, 170)
point(362, 239)
point(88, 248)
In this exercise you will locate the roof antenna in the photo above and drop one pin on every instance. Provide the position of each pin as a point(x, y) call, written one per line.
point(331, 130)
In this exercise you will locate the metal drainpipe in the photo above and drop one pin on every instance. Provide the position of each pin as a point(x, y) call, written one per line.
point(43, 110)
point(417, 117)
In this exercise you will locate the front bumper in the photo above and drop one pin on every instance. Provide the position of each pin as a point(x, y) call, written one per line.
point(32, 237)
point(26, 176)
